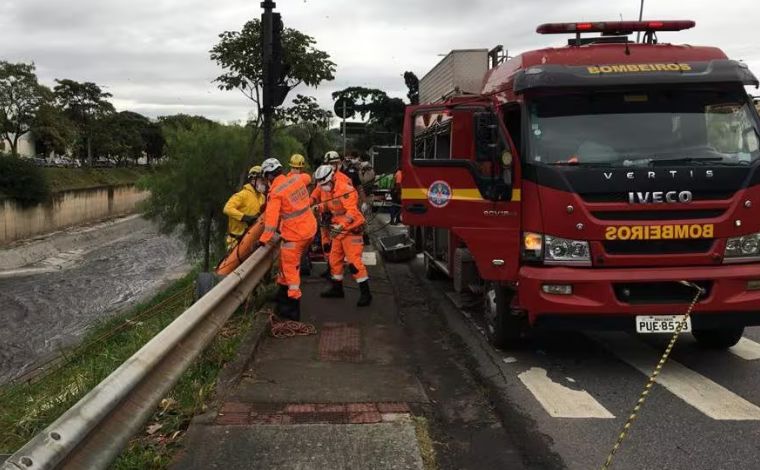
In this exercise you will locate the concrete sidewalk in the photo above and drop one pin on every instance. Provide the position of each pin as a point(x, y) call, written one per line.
point(341, 399)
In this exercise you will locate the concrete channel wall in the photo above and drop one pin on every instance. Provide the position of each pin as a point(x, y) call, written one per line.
point(66, 209)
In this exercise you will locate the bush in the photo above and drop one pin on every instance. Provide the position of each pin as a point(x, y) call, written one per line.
point(22, 181)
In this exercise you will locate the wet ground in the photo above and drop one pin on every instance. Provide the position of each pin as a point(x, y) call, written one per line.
point(48, 306)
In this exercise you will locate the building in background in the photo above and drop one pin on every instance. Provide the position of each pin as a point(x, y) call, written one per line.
point(26, 146)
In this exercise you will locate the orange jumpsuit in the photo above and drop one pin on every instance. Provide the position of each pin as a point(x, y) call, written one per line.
point(288, 211)
point(342, 202)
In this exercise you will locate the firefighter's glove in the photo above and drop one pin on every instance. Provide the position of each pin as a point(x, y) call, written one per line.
point(249, 219)
point(336, 229)
point(365, 208)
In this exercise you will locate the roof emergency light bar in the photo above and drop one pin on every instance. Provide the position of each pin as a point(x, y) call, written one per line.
point(614, 27)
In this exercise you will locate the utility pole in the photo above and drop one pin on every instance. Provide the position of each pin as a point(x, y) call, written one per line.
point(641, 15)
point(266, 42)
point(345, 131)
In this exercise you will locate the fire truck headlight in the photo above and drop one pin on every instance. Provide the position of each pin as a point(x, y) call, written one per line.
point(532, 246)
point(563, 251)
point(739, 249)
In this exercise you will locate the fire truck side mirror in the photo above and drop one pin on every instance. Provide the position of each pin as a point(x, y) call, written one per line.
point(486, 136)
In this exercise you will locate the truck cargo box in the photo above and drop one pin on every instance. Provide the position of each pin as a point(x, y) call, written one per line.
point(460, 72)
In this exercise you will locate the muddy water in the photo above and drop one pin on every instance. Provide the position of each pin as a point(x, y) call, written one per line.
point(48, 307)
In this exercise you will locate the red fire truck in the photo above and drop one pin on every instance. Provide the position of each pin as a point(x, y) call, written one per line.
point(582, 184)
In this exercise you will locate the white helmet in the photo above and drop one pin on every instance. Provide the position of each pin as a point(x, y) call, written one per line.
point(270, 165)
point(332, 157)
point(324, 174)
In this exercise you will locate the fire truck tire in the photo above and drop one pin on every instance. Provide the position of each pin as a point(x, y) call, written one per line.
point(504, 329)
point(432, 273)
point(719, 338)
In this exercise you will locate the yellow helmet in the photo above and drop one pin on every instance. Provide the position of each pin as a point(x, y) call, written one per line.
point(297, 161)
point(254, 171)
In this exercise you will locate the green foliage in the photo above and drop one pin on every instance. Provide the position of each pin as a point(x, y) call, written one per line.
point(239, 54)
point(21, 97)
point(84, 104)
point(53, 131)
point(184, 121)
point(68, 179)
point(383, 112)
point(22, 181)
point(190, 188)
point(120, 135)
point(309, 124)
point(413, 85)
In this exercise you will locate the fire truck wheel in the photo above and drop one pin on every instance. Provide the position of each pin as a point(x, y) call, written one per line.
point(504, 329)
point(719, 338)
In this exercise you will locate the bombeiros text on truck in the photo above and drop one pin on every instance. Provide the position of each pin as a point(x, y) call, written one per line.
point(577, 186)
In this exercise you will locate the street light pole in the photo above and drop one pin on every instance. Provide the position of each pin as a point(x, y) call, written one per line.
point(641, 15)
point(344, 129)
point(268, 82)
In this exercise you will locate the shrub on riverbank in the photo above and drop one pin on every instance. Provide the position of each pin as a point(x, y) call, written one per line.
point(22, 181)
point(68, 179)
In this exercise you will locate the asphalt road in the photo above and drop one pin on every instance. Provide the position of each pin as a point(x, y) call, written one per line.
point(48, 306)
point(578, 389)
point(567, 395)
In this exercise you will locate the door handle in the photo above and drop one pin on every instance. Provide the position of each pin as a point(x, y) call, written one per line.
point(416, 208)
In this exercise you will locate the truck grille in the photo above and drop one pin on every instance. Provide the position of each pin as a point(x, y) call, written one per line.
point(638, 293)
point(659, 215)
point(656, 247)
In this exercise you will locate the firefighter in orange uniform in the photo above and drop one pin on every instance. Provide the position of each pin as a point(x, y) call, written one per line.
point(337, 196)
point(288, 211)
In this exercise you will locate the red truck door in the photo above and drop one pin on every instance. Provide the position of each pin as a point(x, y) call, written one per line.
point(459, 174)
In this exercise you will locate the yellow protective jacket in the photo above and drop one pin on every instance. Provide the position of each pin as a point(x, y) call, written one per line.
point(247, 201)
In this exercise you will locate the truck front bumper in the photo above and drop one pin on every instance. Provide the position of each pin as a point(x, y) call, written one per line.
point(611, 298)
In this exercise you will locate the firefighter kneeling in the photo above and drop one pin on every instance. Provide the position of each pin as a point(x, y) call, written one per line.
point(339, 198)
point(288, 210)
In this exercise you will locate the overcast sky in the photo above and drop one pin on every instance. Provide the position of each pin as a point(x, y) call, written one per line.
point(152, 55)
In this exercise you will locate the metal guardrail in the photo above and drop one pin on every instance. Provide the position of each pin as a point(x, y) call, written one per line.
point(92, 433)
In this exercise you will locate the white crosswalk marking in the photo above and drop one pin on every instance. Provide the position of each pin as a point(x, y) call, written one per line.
point(560, 401)
point(746, 349)
point(710, 398)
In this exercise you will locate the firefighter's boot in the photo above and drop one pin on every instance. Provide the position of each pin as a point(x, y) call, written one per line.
point(365, 296)
point(335, 291)
point(281, 300)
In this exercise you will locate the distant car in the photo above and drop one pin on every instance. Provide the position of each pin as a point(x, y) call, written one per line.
point(39, 161)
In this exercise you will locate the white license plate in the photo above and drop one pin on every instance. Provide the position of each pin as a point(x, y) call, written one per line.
point(661, 324)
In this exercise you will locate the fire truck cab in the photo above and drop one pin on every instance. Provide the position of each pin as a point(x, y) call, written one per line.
point(605, 184)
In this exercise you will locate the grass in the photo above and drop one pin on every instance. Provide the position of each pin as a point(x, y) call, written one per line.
point(162, 437)
point(67, 179)
point(425, 443)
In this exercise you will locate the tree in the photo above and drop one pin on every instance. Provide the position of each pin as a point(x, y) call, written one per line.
point(21, 97)
point(191, 187)
point(153, 137)
point(184, 121)
point(53, 131)
point(120, 135)
point(381, 110)
point(239, 54)
point(84, 104)
point(384, 115)
point(311, 123)
point(413, 84)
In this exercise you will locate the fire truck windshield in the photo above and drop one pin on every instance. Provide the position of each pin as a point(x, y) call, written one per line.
point(644, 127)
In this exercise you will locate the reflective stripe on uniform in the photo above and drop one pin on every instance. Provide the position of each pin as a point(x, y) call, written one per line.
point(338, 211)
point(294, 287)
point(288, 183)
point(288, 244)
point(270, 229)
point(295, 213)
point(361, 279)
point(337, 277)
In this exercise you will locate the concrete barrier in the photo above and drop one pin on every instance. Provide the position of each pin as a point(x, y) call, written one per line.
point(66, 209)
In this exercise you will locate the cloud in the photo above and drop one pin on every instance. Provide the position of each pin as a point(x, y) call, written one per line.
point(152, 55)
